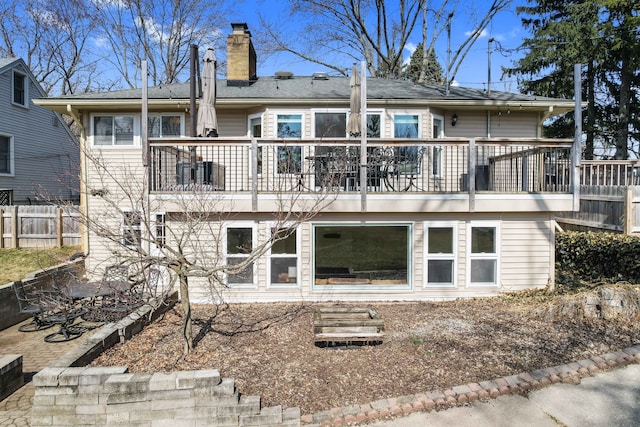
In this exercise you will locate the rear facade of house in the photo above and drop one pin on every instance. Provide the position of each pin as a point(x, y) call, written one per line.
point(449, 193)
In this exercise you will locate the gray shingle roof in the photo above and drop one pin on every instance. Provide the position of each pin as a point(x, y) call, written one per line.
point(306, 87)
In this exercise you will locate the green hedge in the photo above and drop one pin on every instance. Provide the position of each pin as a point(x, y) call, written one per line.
point(596, 258)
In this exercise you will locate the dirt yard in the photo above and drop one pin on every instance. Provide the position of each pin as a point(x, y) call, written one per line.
point(269, 348)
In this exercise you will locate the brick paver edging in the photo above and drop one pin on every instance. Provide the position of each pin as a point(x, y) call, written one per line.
point(461, 395)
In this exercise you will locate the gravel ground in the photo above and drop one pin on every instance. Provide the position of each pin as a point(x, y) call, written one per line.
point(269, 348)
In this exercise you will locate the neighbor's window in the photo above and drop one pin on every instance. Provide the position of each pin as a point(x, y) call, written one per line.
point(163, 126)
point(289, 125)
point(440, 254)
point(284, 258)
point(131, 229)
point(113, 130)
point(361, 255)
point(405, 126)
point(330, 125)
point(160, 230)
point(20, 88)
point(239, 245)
point(5, 155)
point(483, 255)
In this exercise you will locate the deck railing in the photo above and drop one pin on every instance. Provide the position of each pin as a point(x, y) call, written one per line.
point(610, 172)
point(420, 166)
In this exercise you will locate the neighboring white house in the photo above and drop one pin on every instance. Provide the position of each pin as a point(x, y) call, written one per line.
point(39, 156)
point(459, 198)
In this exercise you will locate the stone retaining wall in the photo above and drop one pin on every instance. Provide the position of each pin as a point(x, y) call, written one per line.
point(106, 396)
point(11, 377)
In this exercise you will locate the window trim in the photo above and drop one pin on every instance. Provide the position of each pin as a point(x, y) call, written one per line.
point(163, 114)
point(25, 89)
point(365, 288)
point(439, 117)
point(453, 256)
point(11, 155)
point(416, 114)
point(483, 256)
point(288, 113)
point(271, 255)
point(250, 134)
point(254, 242)
point(315, 111)
point(128, 227)
point(112, 146)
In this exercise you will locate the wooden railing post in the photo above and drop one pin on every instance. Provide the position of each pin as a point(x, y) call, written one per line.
point(628, 210)
point(471, 184)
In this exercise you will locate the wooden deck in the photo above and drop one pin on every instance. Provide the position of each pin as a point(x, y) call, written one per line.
point(344, 325)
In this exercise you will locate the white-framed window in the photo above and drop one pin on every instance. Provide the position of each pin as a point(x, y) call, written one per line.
point(283, 258)
point(255, 131)
point(113, 130)
point(165, 125)
point(440, 254)
point(289, 125)
point(131, 229)
point(20, 92)
point(159, 228)
point(406, 126)
point(374, 124)
point(330, 124)
point(436, 161)
point(483, 243)
point(6, 155)
point(239, 242)
point(358, 256)
point(437, 126)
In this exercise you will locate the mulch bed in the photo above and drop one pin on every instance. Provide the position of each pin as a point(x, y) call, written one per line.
point(269, 348)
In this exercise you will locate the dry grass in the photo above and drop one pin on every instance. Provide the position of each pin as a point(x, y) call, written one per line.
point(269, 348)
point(18, 262)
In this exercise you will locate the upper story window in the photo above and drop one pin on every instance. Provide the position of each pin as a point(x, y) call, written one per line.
point(20, 89)
point(437, 127)
point(374, 125)
point(164, 125)
point(406, 126)
point(113, 130)
point(332, 124)
point(289, 125)
point(255, 131)
point(6, 158)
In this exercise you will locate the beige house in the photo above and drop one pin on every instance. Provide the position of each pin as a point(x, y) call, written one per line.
point(448, 194)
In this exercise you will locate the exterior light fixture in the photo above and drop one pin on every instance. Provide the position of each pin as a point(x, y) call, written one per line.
point(454, 119)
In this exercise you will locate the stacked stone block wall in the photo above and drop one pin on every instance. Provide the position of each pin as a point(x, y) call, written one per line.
point(11, 377)
point(106, 396)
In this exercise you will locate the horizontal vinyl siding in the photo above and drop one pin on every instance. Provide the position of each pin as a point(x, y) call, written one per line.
point(527, 251)
point(514, 123)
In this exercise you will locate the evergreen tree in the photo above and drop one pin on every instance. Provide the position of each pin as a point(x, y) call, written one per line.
point(597, 34)
point(433, 73)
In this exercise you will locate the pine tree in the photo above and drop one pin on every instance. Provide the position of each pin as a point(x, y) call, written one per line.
point(432, 74)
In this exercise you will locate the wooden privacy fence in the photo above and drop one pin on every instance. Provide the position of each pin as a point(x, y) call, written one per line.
point(39, 226)
point(614, 208)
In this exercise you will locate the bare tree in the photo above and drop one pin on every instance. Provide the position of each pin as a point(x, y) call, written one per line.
point(336, 32)
point(161, 32)
point(188, 242)
point(52, 37)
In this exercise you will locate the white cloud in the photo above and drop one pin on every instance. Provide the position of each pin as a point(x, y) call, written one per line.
point(483, 33)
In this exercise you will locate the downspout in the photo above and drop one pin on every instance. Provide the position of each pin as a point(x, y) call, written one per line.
point(84, 201)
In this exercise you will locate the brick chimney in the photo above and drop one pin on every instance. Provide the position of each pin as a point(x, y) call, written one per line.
point(241, 57)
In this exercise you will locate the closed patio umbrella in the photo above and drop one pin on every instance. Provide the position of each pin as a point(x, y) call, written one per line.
point(353, 126)
point(207, 119)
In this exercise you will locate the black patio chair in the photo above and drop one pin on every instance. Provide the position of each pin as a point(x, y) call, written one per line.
point(33, 302)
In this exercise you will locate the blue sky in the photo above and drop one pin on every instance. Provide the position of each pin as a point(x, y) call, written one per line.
point(506, 29)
